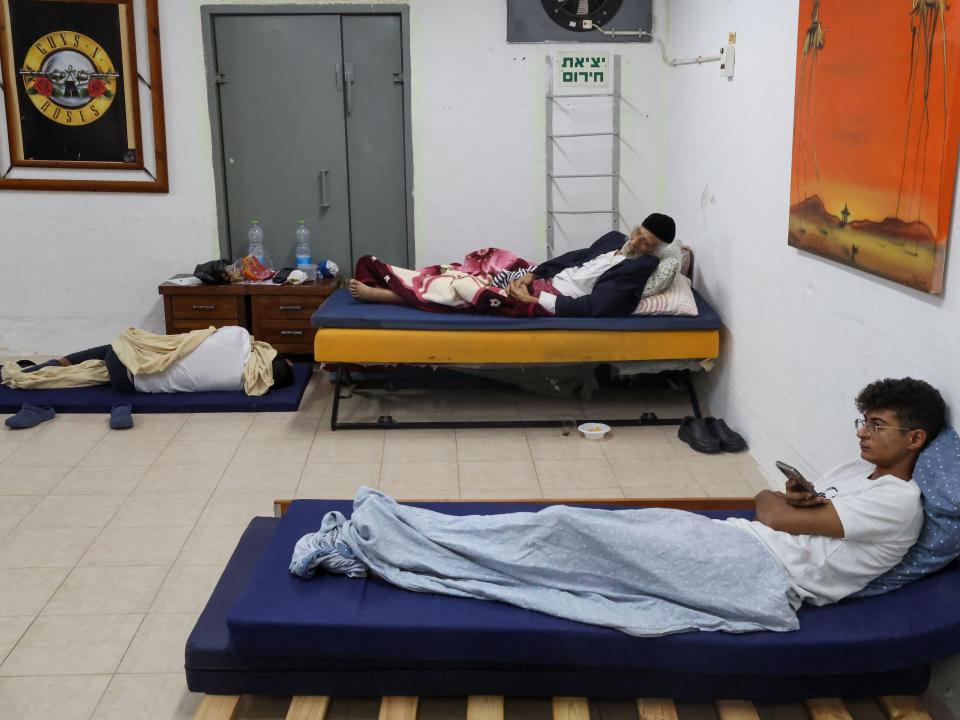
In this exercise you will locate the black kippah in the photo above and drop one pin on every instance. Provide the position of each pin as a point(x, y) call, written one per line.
point(662, 226)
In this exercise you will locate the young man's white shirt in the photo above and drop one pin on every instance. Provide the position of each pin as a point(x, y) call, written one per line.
point(881, 520)
point(215, 364)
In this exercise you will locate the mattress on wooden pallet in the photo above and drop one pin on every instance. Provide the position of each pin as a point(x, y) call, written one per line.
point(349, 331)
point(334, 635)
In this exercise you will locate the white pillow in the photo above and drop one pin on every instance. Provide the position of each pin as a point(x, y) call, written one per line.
point(677, 300)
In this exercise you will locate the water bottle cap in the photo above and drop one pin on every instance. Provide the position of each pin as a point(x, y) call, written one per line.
point(302, 221)
point(254, 222)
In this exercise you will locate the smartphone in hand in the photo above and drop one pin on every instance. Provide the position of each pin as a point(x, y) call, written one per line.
point(793, 474)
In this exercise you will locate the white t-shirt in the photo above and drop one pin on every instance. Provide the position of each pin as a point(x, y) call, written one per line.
point(578, 281)
point(881, 519)
point(215, 364)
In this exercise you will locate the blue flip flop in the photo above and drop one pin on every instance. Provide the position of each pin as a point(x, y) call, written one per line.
point(121, 417)
point(29, 416)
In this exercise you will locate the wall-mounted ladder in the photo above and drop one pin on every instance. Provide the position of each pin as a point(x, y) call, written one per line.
point(552, 140)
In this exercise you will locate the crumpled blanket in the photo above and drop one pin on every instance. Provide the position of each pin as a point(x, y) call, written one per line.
point(457, 287)
point(646, 572)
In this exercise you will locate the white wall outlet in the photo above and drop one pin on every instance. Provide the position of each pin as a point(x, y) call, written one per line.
point(727, 58)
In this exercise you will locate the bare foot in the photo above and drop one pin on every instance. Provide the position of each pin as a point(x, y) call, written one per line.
point(359, 290)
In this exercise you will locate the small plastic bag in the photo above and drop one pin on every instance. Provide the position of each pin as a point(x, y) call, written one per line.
point(250, 269)
point(213, 272)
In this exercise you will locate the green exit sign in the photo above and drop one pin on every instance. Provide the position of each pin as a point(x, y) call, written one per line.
point(579, 70)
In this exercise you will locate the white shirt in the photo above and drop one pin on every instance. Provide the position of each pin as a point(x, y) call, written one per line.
point(578, 281)
point(215, 364)
point(881, 519)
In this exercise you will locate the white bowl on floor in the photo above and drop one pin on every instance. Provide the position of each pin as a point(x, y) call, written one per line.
point(594, 430)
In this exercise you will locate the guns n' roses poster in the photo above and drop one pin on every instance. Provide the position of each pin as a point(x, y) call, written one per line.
point(71, 77)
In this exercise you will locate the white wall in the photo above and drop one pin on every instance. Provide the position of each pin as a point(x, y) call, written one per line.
point(79, 267)
point(802, 334)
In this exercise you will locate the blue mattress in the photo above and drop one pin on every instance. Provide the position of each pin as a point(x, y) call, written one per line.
point(369, 620)
point(342, 311)
point(100, 399)
point(214, 664)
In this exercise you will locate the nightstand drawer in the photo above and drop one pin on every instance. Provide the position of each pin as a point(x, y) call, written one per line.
point(284, 307)
point(224, 309)
point(283, 332)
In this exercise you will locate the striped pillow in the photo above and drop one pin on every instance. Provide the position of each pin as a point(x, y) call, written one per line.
point(677, 300)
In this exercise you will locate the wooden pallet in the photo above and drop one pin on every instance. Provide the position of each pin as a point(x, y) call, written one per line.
point(490, 707)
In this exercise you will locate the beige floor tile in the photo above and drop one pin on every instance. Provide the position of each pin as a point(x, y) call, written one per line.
point(532, 493)
point(148, 697)
point(150, 428)
point(229, 508)
point(180, 479)
point(92, 480)
point(8, 449)
point(347, 446)
point(14, 508)
point(12, 628)
point(47, 455)
point(345, 490)
point(16, 480)
point(554, 474)
point(215, 427)
point(413, 480)
point(493, 444)
point(714, 471)
point(24, 591)
point(10, 436)
point(668, 490)
point(71, 429)
point(282, 480)
point(70, 697)
point(45, 547)
point(337, 475)
point(136, 546)
point(582, 493)
point(146, 510)
point(278, 453)
point(638, 472)
point(127, 452)
point(740, 489)
point(646, 443)
point(497, 474)
point(186, 589)
point(99, 590)
point(73, 511)
point(210, 544)
point(72, 645)
point(158, 644)
point(751, 471)
point(554, 446)
point(283, 426)
point(428, 446)
point(197, 452)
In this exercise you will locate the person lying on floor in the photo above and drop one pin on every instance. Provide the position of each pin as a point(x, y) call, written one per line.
point(213, 359)
point(655, 571)
point(604, 280)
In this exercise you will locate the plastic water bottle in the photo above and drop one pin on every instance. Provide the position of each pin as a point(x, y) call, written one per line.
point(255, 236)
point(304, 256)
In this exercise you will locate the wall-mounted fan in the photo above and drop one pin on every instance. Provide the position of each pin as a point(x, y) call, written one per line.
point(573, 20)
point(581, 15)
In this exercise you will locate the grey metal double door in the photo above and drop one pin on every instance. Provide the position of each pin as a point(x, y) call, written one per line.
point(312, 126)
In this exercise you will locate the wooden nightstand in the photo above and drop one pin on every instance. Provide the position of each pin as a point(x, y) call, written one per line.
point(277, 314)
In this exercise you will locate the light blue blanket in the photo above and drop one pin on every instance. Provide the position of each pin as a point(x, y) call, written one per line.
point(646, 572)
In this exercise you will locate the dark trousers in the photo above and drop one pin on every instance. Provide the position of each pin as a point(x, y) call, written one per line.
point(119, 376)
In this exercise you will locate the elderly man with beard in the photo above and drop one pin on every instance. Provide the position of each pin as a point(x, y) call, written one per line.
point(605, 279)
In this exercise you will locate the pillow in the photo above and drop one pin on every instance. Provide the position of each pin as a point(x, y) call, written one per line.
point(938, 474)
point(677, 300)
point(662, 278)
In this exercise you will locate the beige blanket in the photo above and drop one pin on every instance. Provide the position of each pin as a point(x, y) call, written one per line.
point(143, 353)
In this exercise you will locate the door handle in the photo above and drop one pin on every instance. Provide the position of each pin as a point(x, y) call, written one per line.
point(348, 82)
point(324, 190)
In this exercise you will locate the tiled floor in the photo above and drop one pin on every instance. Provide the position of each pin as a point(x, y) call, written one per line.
point(111, 541)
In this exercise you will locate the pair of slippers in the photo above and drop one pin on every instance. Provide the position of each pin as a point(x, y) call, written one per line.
point(121, 416)
point(710, 435)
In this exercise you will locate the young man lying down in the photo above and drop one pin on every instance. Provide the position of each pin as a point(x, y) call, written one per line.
point(656, 571)
point(606, 279)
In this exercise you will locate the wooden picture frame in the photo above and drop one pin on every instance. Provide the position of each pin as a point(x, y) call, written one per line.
point(82, 88)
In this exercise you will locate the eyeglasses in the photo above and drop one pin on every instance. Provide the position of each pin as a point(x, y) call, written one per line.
point(873, 428)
